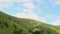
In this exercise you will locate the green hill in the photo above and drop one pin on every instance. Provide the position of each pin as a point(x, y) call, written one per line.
point(13, 25)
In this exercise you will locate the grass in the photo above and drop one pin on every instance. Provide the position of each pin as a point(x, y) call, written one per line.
point(13, 25)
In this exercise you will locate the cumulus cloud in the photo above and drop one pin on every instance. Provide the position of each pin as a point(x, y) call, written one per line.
point(57, 22)
point(51, 16)
point(5, 5)
point(30, 15)
point(38, 1)
point(48, 16)
point(25, 3)
point(25, 0)
point(28, 5)
point(15, 1)
point(8, 0)
point(57, 2)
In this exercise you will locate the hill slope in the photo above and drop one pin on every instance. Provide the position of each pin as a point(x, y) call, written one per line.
point(13, 25)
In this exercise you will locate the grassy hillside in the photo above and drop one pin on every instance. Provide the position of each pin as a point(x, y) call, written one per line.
point(13, 25)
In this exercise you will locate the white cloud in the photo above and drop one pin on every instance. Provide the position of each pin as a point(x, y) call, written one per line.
point(24, 0)
point(41, 1)
point(57, 2)
point(5, 5)
point(51, 16)
point(38, 1)
point(57, 22)
point(28, 5)
point(48, 16)
point(30, 15)
point(8, 0)
point(15, 0)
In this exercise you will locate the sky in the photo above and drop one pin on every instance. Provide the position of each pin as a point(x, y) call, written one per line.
point(47, 11)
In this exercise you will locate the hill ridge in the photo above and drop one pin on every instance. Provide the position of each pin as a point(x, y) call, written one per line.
point(14, 25)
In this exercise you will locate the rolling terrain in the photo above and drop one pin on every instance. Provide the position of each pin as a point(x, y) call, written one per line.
point(14, 25)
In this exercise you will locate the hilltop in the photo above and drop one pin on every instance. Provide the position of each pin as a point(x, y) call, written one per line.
point(13, 25)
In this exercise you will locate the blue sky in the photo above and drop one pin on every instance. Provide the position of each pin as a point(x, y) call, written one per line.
point(47, 11)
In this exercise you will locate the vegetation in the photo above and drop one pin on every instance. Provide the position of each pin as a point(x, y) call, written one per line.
point(13, 25)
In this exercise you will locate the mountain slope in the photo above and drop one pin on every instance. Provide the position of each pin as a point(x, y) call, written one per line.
point(13, 25)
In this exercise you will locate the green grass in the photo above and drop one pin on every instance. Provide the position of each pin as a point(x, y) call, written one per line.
point(13, 25)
